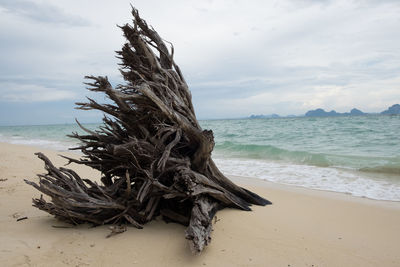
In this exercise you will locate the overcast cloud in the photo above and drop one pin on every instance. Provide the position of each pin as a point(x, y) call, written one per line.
point(239, 57)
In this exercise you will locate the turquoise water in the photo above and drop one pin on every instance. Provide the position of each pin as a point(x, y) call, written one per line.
point(48, 136)
point(355, 155)
point(360, 143)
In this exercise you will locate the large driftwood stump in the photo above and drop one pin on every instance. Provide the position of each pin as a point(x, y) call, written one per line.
point(154, 157)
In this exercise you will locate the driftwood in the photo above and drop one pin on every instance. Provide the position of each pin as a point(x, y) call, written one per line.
point(154, 157)
point(22, 218)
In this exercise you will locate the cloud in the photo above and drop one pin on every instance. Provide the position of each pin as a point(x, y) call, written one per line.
point(238, 57)
point(295, 99)
point(42, 12)
point(32, 93)
point(329, 55)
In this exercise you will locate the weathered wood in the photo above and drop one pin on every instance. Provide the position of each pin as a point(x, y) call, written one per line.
point(199, 231)
point(22, 218)
point(154, 157)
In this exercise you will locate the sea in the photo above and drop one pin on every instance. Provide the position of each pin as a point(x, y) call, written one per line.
point(357, 155)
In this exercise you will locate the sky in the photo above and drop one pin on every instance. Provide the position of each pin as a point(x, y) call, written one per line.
point(238, 57)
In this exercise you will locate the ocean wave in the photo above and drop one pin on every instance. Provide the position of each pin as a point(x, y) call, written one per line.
point(386, 165)
point(50, 144)
point(321, 178)
point(387, 169)
point(253, 151)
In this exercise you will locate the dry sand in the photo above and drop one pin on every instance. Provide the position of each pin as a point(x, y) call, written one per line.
point(302, 228)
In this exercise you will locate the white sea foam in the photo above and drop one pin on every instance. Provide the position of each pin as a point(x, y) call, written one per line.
point(330, 179)
point(50, 144)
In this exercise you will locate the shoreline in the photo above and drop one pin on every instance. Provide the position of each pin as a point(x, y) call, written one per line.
point(303, 227)
point(257, 182)
point(245, 179)
point(278, 160)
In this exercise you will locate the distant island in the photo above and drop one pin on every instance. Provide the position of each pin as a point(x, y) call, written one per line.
point(322, 113)
point(393, 110)
point(264, 116)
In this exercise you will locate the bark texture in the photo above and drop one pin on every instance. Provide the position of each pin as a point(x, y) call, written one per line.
point(154, 157)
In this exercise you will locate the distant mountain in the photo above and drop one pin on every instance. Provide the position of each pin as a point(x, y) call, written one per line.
point(356, 112)
point(322, 113)
point(395, 109)
point(264, 116)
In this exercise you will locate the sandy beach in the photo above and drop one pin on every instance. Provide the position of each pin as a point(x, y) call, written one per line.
point(302, 228)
